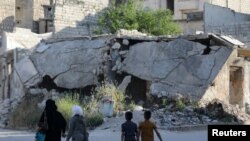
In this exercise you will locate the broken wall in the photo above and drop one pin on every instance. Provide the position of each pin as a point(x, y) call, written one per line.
point(76, 17)
point(232, 23)
point(232, 83)
point(15, 47)
point(176, 67)
point(191, 27)
point(241, 6)
point(219, 88)
point(7, 13)
point(68, 64)
point(21, 38)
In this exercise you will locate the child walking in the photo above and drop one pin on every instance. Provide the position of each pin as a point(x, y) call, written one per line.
point(129, 129)
point(147, 128)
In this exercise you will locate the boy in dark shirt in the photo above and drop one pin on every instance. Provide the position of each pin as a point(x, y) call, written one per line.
point(129, 129)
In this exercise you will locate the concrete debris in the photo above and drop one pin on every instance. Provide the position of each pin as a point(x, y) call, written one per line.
point(124, 83)
point(6, 107)
point(162, 68)
point(125, 42)
point(167, 117)
point(35, 91)
point(123, 32)
point(75, 71)
point(123, 53)
point(169, 65)
point(26, 69)
point(116, 46)
point(41, 48)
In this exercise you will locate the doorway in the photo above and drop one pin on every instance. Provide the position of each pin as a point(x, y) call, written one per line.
point(236, 86)
point(137, 89)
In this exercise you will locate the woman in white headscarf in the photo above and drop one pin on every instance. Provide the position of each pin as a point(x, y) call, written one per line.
point(77, 126)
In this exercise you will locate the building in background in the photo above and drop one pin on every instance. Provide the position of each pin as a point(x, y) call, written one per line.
point(189, 13)
point(41, 16)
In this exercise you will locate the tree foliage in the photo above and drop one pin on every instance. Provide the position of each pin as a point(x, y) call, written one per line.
point(130, 16)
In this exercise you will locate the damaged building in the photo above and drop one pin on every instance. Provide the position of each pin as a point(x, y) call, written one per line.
point(199, 67)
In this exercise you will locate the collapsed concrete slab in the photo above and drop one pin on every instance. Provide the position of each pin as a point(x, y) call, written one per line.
point(71, 64)
point(201, 68)
point(26, 70)
point(174, 67)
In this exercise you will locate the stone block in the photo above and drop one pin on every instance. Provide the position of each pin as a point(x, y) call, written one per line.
point(26, 69)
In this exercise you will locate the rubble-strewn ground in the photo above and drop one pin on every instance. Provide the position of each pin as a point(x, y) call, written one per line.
point(190, 116)
point(214, 113)
point(166, 118)
point(100, 135)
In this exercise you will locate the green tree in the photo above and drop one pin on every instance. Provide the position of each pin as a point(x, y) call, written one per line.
point(130, 16)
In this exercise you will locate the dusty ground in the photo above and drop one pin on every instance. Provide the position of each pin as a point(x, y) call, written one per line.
point(100, 135)
point(110, 131)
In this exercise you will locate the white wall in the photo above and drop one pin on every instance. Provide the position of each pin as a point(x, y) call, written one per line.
point(76, 17)
point(191, 27)
point(219, 16)
point(231, 23)
point(185, 6)
point(7, 13)
point(155, 4)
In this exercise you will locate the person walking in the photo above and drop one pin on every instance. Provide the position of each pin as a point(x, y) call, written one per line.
point(77, 126)
point(147, 128)
point(52, 122)
point(129, 129)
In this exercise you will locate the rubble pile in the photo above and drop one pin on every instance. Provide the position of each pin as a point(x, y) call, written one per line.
point(6, 107)
point(215, 112)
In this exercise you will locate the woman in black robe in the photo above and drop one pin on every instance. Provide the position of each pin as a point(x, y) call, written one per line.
point(55, 121)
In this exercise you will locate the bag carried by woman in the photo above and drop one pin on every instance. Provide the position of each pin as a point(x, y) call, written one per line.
point(52, 122)
point(42, 128)
point(40, 136)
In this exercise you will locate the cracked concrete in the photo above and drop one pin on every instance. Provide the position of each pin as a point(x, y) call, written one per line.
point(68, 63)
point(170, 68)
point(176, 67)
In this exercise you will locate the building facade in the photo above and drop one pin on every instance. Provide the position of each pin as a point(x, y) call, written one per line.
point(64, 17)
point(7, 12)
point(23, 14)
point(189, 13)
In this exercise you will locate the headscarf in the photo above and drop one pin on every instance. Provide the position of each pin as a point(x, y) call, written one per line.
point(50, 111)
point(50, 105)
point(77, 110)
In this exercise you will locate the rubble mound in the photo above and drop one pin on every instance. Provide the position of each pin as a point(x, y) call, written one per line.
point(215, 112)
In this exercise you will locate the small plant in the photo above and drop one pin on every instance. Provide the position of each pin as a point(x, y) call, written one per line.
point(27, 114)
point(131, 16)
point(94, 119)
point(180, 105)
point(97, 31)
point(110, 91)
point(130, 106)
point(65, 104)
point(91, 104)
point(195, 104)
point(164, 102)
point(227, 119)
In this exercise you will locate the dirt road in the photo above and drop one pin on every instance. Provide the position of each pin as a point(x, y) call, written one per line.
point(108, 135)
